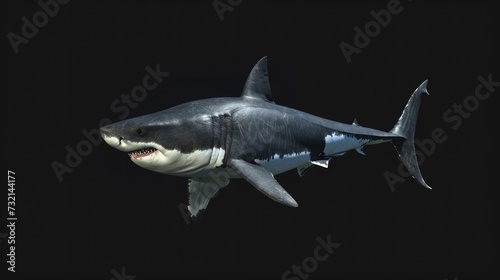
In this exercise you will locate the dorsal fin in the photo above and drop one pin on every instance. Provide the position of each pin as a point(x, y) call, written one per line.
point(257, 84)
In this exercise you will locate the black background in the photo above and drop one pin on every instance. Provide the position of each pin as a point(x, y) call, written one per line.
point(108, 213)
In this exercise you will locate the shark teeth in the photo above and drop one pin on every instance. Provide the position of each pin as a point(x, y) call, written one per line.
point(142, 152)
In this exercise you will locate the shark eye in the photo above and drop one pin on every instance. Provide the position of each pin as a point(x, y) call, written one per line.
point(139, 131)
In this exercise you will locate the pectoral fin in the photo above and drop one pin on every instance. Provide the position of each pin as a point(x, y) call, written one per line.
point(262, 180)
point(201, 190)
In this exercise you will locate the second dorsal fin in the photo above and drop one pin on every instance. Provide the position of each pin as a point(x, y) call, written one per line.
point(257, 84)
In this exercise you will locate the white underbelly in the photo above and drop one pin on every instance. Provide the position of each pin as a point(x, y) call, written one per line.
point(277, 165)
point(340, 143)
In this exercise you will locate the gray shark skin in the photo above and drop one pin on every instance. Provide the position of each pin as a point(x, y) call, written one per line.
point(250, 137)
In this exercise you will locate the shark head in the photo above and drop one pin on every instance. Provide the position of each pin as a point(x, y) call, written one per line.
point(161, 142)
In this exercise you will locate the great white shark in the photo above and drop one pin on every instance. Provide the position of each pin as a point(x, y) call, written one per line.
point(250, 137)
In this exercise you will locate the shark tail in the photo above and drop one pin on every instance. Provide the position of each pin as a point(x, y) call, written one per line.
point(405, 127)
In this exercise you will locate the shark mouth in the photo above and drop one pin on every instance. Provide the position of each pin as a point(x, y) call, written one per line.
point(142, 153)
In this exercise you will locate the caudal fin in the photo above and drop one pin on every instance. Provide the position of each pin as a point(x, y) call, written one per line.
point(405, 127)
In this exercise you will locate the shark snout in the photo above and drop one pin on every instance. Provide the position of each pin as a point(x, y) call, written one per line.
point(110, 136)
point(107, 131)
